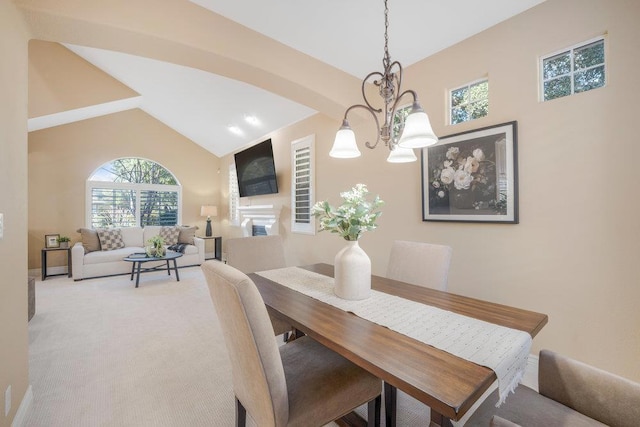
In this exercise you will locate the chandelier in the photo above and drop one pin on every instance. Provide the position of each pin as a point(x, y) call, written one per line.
point(413, 132)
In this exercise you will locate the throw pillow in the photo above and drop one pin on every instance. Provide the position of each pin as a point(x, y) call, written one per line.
point(187, 234)
point(170, 235)
point(110, 238)
point(89, 239)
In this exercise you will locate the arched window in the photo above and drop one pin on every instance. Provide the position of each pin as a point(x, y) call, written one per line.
point(133, 191)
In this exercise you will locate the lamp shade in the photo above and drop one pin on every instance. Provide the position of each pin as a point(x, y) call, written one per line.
point(401, 155)
point(209, 210)
point(417, 131)
point(344, 146)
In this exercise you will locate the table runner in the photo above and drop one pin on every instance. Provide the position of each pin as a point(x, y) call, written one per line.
point(502, 349)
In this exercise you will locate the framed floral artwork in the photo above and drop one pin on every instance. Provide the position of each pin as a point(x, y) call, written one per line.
point(472, 176)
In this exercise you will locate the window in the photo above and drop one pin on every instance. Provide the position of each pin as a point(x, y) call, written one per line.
point(469, 102)
point(302, 185)
point(577, 69)
point(132, 191)
point(234, 196)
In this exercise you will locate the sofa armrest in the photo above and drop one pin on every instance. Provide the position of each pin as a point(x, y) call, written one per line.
point(77, 261)
point(199, 243)
point(598, 394)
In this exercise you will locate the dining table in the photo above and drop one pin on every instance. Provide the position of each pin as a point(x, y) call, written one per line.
point(448, 384)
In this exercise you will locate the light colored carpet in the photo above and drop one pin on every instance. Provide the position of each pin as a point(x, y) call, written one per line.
point(103, 353)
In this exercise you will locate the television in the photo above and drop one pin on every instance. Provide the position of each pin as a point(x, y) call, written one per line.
point(256, 170)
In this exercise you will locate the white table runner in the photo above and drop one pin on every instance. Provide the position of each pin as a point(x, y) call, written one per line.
point(502, 349)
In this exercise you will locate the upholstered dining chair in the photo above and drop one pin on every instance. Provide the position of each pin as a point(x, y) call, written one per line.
point(421, 264)
point(258, 253)
point(571, 393)
point(418, 263)
point(301, 383)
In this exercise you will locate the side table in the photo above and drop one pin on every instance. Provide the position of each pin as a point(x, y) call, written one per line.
point(45, 251)
point(217, 249)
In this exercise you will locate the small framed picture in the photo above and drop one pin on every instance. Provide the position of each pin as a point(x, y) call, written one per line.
point(51, 241)
point(472, 176)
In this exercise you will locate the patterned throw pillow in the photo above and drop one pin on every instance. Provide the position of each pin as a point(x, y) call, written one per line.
point(110, 238)
point(187, 234)
point(170, 235)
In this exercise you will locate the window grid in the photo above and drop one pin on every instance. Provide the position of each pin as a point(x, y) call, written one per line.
point(302, 188)
point(551, 82)
point(469, 101)
point(113, 200)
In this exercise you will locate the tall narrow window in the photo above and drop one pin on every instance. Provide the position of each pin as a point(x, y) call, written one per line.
point(576, 69)
point(302, 185)
point(469, 102)
point(234, 196)
point(133, 191)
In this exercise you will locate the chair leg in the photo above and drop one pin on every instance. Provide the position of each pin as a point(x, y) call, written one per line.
point(390, 402)
point(373, 417)
point(241, 414)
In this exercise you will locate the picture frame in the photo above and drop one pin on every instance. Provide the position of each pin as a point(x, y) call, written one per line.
point(51, 241)
point(472, 176)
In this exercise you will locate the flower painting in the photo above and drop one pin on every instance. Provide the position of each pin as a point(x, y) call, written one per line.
point(471, 176)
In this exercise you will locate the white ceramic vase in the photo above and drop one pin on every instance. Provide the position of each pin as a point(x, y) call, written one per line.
point(352, 272)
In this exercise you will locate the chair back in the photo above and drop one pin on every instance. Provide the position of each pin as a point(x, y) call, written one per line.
point(258, 253)
point(422, 264)
point(258, 375)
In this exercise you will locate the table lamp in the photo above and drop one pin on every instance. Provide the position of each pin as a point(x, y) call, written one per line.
point(208, 211)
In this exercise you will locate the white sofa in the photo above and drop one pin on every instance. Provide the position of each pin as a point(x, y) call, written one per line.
point(108, 263)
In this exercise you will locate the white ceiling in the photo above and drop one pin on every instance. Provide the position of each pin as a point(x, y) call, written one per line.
point(347, 34)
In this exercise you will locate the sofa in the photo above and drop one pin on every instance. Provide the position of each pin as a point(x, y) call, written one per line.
point(101, 251)
point(571, 394)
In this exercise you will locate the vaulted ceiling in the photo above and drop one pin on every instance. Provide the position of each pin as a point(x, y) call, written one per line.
point(202, 66)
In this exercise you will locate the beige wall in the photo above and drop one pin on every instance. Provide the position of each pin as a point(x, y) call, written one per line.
point(62, 158)
point(60, 80)
point(572, 255)
point(14, 370)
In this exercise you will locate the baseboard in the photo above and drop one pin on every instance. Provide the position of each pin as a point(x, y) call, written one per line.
point(21, 415)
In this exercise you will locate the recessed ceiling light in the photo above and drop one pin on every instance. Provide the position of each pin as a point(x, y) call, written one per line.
point(235, 129)
point(251, 119)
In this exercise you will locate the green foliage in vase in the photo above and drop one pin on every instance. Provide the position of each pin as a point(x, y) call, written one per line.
point(355, 216)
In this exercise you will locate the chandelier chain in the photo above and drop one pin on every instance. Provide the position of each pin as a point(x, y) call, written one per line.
point(387, 57)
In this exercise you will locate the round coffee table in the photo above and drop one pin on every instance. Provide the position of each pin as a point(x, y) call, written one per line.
point(140, 258)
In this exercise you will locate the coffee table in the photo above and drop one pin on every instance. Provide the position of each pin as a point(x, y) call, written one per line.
point(137, 259)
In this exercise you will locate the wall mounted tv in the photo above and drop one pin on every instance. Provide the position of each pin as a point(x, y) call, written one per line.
point(256, 170)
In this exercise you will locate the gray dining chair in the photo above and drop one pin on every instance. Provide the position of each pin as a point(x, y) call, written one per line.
point(418, 263)
point(421, 264)
point(258, 253)
point(301, 383)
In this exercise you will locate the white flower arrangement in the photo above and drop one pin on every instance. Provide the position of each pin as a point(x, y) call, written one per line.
point(355, 216)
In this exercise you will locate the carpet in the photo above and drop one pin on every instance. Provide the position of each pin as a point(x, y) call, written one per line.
point(103, 353)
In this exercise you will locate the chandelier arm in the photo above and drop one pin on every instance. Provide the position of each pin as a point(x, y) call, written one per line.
point(393, 141)
point(364, 95)
point(370, 110)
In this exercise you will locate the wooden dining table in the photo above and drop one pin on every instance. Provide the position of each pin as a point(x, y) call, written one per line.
point(446, 383)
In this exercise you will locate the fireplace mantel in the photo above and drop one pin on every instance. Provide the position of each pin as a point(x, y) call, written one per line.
point(266, 216)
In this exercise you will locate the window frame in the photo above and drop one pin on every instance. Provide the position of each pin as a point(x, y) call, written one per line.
point(571, 74)
point(234, 195)
point(468, 86)
point(308, 142)
point(128, 186)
